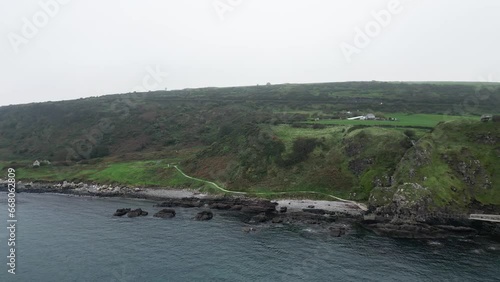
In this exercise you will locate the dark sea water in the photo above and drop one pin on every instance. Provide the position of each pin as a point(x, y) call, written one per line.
point(67, 238)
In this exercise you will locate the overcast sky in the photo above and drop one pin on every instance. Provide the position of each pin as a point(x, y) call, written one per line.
point(83, 48)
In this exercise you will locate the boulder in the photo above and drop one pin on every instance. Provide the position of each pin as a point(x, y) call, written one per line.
point(121, 212)
point(204, 215)
point(165, 213)
point(248, 229)
point(135, 213)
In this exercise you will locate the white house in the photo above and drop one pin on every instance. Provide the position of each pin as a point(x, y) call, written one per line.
point(36, 163)
point(367, 117)
point(370, 116)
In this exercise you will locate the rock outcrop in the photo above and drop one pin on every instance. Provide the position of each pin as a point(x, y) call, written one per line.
point(121, 212)
point(136, 213)
point(204, 215)
point(165, 213)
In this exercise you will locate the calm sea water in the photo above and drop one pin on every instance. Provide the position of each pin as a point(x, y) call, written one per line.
point(66, 238)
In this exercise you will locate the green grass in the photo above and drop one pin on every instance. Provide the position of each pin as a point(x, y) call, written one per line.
point(288, 134)
point(136, 173)
point(403, 120)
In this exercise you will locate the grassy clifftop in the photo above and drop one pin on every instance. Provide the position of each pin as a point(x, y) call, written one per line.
point(342, 160)
point(265, 139)
point(457, 165)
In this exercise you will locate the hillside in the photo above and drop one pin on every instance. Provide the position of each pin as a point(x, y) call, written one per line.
point(456, 167)
point(428, 144)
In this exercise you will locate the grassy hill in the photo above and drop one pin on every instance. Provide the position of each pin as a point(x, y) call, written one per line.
point(273, 138)
point(455, 165)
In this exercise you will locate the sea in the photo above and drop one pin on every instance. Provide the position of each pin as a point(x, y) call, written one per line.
point(72, 238)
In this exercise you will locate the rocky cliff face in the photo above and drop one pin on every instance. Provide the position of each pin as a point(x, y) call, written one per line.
point(449, 174)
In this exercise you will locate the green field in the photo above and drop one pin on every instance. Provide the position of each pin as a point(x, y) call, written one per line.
point(403, 120)
point(136, 173)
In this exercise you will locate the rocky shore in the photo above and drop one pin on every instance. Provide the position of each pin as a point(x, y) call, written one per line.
point(336, 217)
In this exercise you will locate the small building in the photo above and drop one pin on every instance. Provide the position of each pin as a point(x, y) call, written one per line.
point(355, 118)
point(36, 163)
point(486, 117)
point(370, 117)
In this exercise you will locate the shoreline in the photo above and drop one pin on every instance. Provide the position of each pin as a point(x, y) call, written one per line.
point(337, 217)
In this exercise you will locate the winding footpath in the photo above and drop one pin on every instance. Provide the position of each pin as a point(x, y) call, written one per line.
point(360, 205)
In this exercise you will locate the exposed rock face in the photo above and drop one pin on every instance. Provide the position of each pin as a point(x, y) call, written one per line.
point(165, 213)
point(204, 215)
point(121, 212)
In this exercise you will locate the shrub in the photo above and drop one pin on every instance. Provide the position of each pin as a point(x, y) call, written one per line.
point(318, 126)
point(410, 133)
point(301, 149)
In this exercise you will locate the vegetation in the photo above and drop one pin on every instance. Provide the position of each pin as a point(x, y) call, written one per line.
point(271, 139)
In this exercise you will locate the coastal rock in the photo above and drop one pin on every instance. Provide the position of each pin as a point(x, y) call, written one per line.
point(259, 209)
point(183, 203)
point(136, 213)
point(121, 212)
point(261, 217)
point(315, 211)
point(277, 220)
point(236, 208)
point(248, 229)
point(337, 231)
point(220, 206)
point(165, 213)
point(204, 215)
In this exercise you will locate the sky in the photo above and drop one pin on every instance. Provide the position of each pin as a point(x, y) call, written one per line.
point(53, 50)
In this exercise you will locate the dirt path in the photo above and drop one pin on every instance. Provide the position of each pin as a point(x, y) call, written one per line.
point(361, 206)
